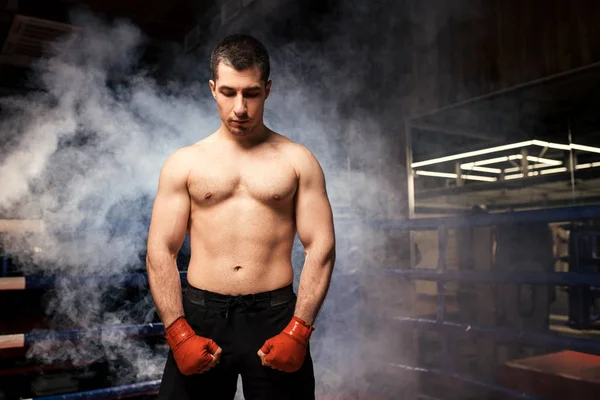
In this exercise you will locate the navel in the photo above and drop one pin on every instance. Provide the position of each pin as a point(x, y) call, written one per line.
point(208, 195)
point(237, 267)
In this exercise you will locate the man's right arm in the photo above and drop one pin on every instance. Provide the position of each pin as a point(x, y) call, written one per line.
point(170, 215)
point(168, 226)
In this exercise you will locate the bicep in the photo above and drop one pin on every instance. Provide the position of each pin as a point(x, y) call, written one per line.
point(171, 210)
point(314, 217)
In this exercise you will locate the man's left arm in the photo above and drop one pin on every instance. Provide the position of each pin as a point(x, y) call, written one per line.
point(314, 222)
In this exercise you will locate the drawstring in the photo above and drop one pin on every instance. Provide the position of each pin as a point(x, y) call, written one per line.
point(244, 301)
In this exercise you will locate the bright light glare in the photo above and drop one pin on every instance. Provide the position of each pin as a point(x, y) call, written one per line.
point(510, 177)
point(553, 170)
point(475, 153)
point(455, 176)
point(485, 169)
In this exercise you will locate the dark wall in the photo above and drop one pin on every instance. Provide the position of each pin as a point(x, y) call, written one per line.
point(474, 47)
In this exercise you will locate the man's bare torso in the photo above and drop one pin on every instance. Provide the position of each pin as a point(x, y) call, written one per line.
point(242, 223)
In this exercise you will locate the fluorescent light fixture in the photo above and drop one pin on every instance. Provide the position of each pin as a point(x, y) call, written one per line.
point(536, 173)
point(479, 178)
point(496, 160)
point(437, 174)
point(485, 169)
point(567, 147)
point(534, 166)
point(514, 169)
point(476, 166)
point(455, 176)
point(539, 143)
point(473, 153)
point(553, 170)
point(515, 176)
point(585, 148)
point(551, 145)
point(544, 160)
point(588, 165)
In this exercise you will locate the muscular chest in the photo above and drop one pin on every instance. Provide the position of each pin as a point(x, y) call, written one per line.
point(270, 180)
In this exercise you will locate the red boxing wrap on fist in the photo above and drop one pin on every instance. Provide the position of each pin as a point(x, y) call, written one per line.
point(192, 353)
point(287, 350)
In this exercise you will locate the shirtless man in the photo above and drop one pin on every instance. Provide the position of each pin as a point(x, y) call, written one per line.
point(241, 194)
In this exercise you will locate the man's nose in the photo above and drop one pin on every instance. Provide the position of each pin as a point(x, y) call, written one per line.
point(239, 107)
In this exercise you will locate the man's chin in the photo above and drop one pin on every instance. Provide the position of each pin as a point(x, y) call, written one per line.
point(238, 132)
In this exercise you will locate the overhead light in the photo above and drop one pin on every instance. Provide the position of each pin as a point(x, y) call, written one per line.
point(514, 169)
point(588, 165)
point(551, 145)
point(553, 170)
point(544, 160)
point(515, 176)
point(473, 153)
point(475, 166)
point(585, 148)
point(455, 176)
point(485, 169)
point(536, 173)
point(496, 160)
point(479, 178)
point(539, 143)
point(534, 166)
point(437, 174)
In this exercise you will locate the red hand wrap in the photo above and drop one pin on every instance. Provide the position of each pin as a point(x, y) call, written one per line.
point(299, 330)
point(287, 350)
point(178, 332)
point(192, 353)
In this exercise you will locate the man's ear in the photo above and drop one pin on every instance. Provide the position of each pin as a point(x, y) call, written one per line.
point(268, 89)
point(213, 88)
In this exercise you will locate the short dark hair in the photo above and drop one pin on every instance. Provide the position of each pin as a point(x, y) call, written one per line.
point(241, 52)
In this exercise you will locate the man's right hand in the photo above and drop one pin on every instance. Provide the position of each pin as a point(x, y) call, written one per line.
point(193, 354)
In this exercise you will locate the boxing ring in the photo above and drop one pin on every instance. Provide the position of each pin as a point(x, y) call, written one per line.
point(441, 275)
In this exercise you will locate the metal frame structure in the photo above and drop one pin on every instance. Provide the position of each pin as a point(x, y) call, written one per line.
point(441, 276)
point(521, 165)
point(414, 122)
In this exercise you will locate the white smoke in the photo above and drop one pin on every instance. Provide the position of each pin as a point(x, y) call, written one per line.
point(84, 158)
point(87, 153)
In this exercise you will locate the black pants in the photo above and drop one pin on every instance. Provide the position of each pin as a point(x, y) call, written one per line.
point(239, 325)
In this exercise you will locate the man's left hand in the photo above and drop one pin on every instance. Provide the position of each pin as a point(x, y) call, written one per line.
point(287, 350)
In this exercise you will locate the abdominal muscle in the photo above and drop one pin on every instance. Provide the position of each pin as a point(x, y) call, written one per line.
point(239, 252)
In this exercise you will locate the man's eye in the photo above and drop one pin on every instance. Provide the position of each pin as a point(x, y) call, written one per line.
point(251, 95)
point(228, 94)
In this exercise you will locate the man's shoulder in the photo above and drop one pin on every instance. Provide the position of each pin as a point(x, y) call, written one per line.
point(191, 150)
point(300, 156)
point(178, 162)
point(291, 148)
point(181, 154)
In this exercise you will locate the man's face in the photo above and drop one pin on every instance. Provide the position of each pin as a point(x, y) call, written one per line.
point(240, 97)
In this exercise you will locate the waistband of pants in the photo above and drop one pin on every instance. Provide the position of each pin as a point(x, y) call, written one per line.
point(273, 298)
